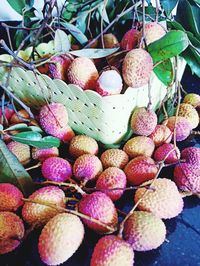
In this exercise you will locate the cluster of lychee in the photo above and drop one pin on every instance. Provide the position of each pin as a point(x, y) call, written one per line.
point(136, 69)
point(101, 178)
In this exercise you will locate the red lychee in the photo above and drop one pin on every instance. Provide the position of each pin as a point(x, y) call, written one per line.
point(42, 154)
point(165, 152)
point(130, 40)
point(161, 134)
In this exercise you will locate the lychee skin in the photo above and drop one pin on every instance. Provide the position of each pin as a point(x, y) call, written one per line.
point(130, 40)
point(138, 146)
point(8, 114)
point(112, 251)
point(186, 177)
point(43, 154)
point(109, 83)
point(35, 213)
point(83, 72)
point(137, 68)
point(193, 99)
point(114, 158)
point(164, 200)
point(18, 117)
point(143, 121)
point(161, 134)
point(21, 151)
point(183, 127)
point(82, 144)
point(11, 232)
point(140, 169)
point(10, 197)
point(60, 238)
point(153, 32)
point(56, 169)
point(190, 113)
point(191, 155)
point(87, 167)
point(110, 40)
point(98, 206)
point(144, 231)
point(164, 152)
point(112, 178)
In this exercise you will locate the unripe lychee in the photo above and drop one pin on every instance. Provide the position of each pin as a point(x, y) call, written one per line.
point(60, 238)
point(189, 112)
point(153, 32)
point(183, 127)
point(10, 197)
point(87, 167)
point(164, 152)
point(11, 232)
point(112, 251)
point(193, 99)
point(164, 199)
point(144, 231)
point(191, 155)
point(110, 40)
point(19, 117)
point(82, 144)
point(109, 83)
point(98, 206)
point(137, 68)
point(112, 178)
point(114, 157)
point(138, 146)
point(140, 169)
point(130, 40)
point(143, 121)
point(161, 134)
point(35, 213)
point(21, 151)
point(83, 73)
point(42, 154)
point(56, 169)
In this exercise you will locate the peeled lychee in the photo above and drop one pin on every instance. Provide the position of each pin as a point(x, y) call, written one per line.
point(99, 206)
point(164, 199)
point(153, 32)
point(11, 232)
point(112, 251)
point(42, 154)
point(110, 40)
point(19, 117)
point(144, 231)
point(143, 121)
point(114, 157)
point(193, 99)
point(161, 134)
point(35, 213)
point(138, 146)
point(140, 169)
point(21, 151)
point(183, 127)
point(82, 144)
point(191, 155)
point(164, 152)
point(137, 68)
point(109, 83)
point(189, 112)
point(60, 238)
point(112, 178)
point(56, 169)
point(83, 73)
point(130, 40)
point(87, 167)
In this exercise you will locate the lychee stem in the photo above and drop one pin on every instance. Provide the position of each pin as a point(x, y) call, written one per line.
point(196, 133)
point(157, 10)
point(33, 167)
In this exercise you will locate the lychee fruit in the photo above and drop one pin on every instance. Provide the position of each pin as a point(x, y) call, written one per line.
point(112, 251)
point(21, 151)
point(110, 179)
point(130, 40)
point(190, 113)
point(39, 214)
point(193, 99)
point(83, 72)
point(56, 169)
point(109, 83)
point(19, 117)
point(10, 197)
point(138, 146)
point(60, 238)
point(8, 114)
point(164, 199)
point(183, 127)
point(143, 121)
point(87, 167)
point(100, 207)
point(153, 32)
point(161, 134)
point(140, 169)
point(191, 155)
point(114, 157)
point(11, 232)
point(137, 68)
point(110, 40)
point(82, 144)
point(144, 231)
point(164, 152)
point(42, 154)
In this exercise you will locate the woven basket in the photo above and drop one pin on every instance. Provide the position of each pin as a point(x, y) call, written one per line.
point(104, 118)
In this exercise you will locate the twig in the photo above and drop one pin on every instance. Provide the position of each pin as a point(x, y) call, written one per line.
point(33, 167)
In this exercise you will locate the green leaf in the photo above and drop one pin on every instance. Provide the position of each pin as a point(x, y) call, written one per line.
point(164, 71)
point(11, 171)
point(168, 5)
point(170, 109)
point(61, 42)
point(20, 126)
point(170, 45)
point(1, 127)
point(192, 57)
point(94, 53)
point(17, 5)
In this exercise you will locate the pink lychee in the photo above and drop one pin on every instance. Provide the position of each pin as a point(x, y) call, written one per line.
point(42, 154)
point(164, 152)
point(130, 40)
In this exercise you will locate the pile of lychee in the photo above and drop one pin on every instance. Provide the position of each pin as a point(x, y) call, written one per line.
point(81, 183)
